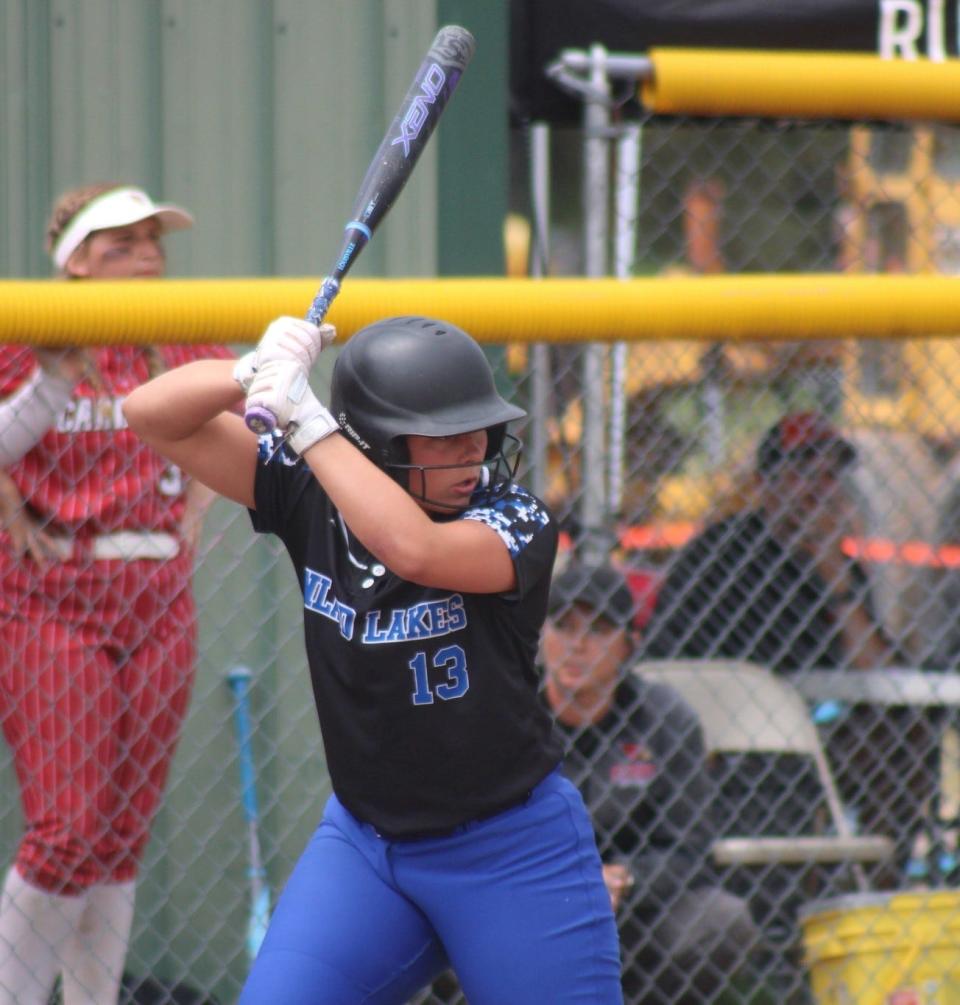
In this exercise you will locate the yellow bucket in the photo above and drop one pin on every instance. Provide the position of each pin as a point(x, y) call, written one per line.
point(884, 948)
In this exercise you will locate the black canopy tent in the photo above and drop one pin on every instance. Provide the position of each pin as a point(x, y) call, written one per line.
point(540, 29)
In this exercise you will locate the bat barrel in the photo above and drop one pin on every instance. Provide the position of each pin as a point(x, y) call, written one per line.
point(454, 45)
point(391, 166)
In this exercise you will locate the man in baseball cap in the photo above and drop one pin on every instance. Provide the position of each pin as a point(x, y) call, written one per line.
point(774, 584)
point(635, 750)
point(801, 438)
point(778, 584)
point(602, 588)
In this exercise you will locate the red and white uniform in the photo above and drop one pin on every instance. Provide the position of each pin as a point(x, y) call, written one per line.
point(97, 653)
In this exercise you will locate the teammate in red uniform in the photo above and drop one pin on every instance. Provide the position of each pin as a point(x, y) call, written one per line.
point(452, 837)
point(97, 626)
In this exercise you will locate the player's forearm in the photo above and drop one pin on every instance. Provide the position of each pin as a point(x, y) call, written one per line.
point(176, 404)
point(11, 502)
point(198, 499)
point(380, 513)
point(30, 411)
point(864, 641)
point(866, 644)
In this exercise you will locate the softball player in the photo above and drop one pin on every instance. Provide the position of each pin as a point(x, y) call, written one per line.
point(97, 630)
point(451, 835)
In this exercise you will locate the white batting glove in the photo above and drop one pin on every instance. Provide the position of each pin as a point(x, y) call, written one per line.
point(282, 387)
point(289, 338)
point(245, 369)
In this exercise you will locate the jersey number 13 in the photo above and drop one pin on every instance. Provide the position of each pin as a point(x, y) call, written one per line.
point(452, 662)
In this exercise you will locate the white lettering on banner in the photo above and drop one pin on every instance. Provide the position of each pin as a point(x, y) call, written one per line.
point(910, 29)
point(937, 32)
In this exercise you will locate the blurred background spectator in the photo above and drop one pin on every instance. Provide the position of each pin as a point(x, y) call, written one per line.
point(775, 585)
point(636, 753)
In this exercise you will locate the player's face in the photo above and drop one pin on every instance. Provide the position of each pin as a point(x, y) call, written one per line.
point(583, 652)
point(451, 468)
point(131, 252)
point(796, 496)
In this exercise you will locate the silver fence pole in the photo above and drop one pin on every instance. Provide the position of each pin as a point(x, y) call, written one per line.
point(596, 187)
point(540, 369)
point(626, 203)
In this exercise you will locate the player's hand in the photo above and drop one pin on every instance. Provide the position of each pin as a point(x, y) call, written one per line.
point(293, 339)
point(31, 541)
point(67, 364)
point(618, 880)
point(27, 536)
point(282, 388)
point(245, 369)
point(279, 386)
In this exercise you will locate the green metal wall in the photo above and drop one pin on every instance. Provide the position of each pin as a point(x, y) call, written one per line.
point(260, 116)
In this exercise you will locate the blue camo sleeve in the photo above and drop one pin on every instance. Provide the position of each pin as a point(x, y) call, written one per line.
point(527, 529)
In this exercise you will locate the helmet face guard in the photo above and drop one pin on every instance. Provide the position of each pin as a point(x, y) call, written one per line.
point(419, 376)
point(496, 474)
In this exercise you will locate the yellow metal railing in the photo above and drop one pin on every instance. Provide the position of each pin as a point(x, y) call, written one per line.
point(711, 308)
point(818, 85)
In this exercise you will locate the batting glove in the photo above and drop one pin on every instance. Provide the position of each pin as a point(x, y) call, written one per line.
point(245, 369)
point(289, 338)
point(282, 387)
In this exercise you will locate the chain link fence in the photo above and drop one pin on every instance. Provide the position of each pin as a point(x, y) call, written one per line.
point(639, 448)
point(738, 560)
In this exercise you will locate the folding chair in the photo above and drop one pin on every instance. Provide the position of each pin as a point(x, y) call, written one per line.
point(745, 708)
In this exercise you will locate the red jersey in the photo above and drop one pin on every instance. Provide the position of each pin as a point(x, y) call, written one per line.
point(89, 474)
point(97, 653)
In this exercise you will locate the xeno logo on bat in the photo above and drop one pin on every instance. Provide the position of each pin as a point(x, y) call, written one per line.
point(432, 86)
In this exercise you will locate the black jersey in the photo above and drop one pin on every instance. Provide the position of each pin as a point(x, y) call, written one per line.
point(427, 698)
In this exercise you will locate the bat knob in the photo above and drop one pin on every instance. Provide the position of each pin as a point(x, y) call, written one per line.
point(239, 675)
point(260, 420)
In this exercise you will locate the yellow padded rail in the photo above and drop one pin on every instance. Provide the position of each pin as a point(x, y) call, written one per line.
point(805, 306)
point(815, 85)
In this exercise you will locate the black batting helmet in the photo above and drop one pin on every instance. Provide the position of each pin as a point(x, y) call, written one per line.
point(420, 376)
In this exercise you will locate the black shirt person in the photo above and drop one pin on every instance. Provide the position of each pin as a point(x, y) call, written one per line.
point(774, 585)
point(635, 750)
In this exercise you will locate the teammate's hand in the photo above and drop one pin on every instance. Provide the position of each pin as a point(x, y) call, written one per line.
point(27, 535)
point(293, 339)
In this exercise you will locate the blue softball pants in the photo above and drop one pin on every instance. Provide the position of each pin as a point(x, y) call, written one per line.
point(515, 903)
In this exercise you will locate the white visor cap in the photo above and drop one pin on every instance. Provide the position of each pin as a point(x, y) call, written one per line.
point(117, 208)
